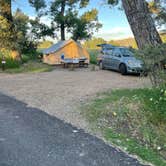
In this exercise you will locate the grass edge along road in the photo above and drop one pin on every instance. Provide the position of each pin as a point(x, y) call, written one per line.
point(134, 120)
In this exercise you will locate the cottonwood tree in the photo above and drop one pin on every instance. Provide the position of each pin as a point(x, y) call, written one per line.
point(141, 22)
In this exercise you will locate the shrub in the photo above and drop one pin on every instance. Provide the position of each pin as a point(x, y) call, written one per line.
point(10, 62)
point(93, 56)
point(154, 58)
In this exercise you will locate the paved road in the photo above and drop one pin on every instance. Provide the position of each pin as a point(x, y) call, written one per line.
point(31, 137)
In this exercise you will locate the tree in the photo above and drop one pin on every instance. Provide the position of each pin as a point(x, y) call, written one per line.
point(141, 22)
point(45, 44)
point(38, 5)
point(84, 26)
point(64, 13)
point(7, 29)
point(21, 21)
point(5, 10)
point(39, 30)
point(65, 18)
point(158, 10)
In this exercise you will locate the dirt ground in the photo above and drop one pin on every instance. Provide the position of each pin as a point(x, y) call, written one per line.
point(61, 92)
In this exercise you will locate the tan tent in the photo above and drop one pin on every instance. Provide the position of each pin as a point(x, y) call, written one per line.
point(69, 49)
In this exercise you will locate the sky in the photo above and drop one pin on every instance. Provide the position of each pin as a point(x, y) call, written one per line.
point(115, 24)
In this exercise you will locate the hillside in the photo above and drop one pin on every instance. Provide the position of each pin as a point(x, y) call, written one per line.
point(128, 42)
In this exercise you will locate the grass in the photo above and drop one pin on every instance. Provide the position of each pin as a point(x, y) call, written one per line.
point(10, 63)
point(31, 66)
point(29, 62)
point(132, 119)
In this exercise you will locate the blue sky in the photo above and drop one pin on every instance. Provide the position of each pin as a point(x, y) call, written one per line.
point(115, 24)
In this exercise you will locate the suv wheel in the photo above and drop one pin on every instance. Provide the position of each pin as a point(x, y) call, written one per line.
point(123, 69)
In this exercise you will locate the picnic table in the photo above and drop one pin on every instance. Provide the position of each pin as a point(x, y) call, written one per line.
point(74, 62)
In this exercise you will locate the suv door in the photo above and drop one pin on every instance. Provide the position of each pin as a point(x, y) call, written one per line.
point(116, 59)
point(106, 60)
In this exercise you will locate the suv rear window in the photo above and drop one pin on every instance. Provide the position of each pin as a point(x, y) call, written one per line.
point(126, 52)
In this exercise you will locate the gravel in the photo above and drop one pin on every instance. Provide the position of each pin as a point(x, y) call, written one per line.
point(61, 92)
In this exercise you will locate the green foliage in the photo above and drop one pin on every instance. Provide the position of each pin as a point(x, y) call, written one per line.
point(92, 43)
point(163, 37)
point(45, 44)
point(15, 34)
point(31, 67)
point(112, 2)
point(38, 4)
point(93, 56)
point(81, 30)
point(21, 21)
point(158, 10)
point(134, 119)
point(40, 30)
point(7, 36)
point(65, 16)
point(7, 31)
point(133, 147)
point(155, 59)
point(28, 57)
point(10, 63)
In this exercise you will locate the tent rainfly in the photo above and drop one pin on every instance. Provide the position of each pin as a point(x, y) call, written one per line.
point(67, 49)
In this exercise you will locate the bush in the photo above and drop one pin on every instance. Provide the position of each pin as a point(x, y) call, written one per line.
point(154, 58)
point(10, 62)
point(93, 56)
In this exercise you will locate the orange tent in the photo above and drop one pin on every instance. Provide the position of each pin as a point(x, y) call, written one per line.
point(69, 49)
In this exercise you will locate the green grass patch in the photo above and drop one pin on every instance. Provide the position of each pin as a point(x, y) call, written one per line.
point(133, 147)
point(30, 67)
point(134, 119)
point(10, 63)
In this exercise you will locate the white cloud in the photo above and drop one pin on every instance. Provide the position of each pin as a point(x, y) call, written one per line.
point(45, 20)
point(115, 33)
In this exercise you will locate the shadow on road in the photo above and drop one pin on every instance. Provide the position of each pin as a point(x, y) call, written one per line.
point(31, 137)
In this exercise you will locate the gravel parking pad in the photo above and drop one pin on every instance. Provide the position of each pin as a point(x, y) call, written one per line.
point(61, 92)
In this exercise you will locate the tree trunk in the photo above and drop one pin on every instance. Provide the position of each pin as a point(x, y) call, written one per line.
point(141, 22)
point(62, 26)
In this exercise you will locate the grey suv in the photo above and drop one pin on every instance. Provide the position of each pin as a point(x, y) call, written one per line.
point(120, 59)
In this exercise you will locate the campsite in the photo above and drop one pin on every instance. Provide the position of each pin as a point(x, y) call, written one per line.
point(82, 83)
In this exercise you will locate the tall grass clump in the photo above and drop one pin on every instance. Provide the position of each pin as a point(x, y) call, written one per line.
point(93, 55)
point(10, 62)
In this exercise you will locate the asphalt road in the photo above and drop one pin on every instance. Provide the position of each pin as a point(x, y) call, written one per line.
point(31, 137)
